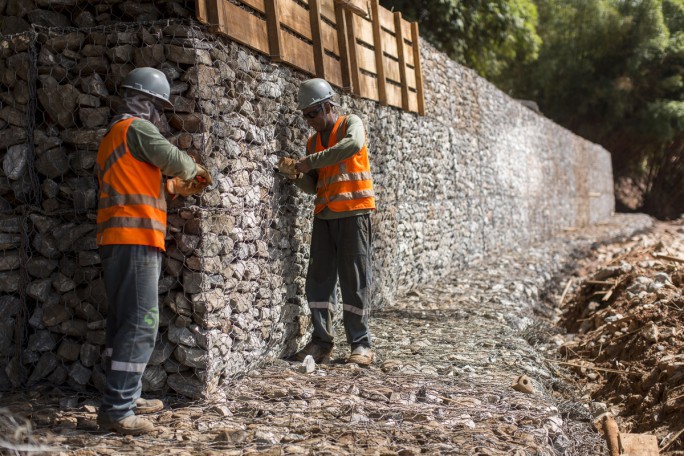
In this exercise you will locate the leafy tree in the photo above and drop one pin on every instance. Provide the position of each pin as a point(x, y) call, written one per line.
point(611, 70)
point(486, 35)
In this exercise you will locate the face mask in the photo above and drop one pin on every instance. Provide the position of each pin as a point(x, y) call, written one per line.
point(142, 106)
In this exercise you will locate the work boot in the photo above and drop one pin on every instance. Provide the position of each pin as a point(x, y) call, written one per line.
point(145, 406)
point(361, 355)
point(319, 353)
point(130, 425)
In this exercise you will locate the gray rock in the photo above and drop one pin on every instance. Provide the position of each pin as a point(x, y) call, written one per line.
point(154, 378)
point(89, 355)
point(53, 163)
point(10, 306)
point(186, 385)
point(10, 260)
point(192, 357)
point(60, 103)
point(69, 350)
point(46, 364)
point(79, 373)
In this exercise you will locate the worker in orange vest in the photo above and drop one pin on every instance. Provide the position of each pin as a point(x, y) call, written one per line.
point(131, 227)
point(337, 170)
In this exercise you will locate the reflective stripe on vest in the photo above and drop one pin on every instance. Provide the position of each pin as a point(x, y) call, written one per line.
point(345, 186)
point(132, 205)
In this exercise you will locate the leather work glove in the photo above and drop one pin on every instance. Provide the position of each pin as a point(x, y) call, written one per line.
point(203, 177)
point(286, 166)
point(177, 186)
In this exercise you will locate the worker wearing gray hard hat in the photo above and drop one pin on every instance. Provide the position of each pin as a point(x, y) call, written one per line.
point(131, 230)
point(336, 169)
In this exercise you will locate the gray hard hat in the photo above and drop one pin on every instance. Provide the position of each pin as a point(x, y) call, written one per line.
point(312, 92)
point(151, 82)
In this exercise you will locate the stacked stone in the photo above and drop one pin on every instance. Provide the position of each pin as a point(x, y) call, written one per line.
point(217, 289)
point(478, 175)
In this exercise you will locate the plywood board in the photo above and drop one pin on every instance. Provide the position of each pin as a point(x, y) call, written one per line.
point(386, 19)
point(410, 77)
point(413, 102)
point(408, 53)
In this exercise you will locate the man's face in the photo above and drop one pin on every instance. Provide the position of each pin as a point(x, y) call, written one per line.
point(315, 116)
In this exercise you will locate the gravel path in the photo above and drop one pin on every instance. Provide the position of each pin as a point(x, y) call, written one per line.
point(446, 357)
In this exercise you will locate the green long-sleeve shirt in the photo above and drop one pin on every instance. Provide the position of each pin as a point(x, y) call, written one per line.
point(352, 142)
point(147, 144)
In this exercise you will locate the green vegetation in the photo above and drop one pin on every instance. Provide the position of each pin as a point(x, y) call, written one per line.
point(610, 70)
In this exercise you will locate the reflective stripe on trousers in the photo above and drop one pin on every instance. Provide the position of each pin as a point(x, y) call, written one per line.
point(340, 249)
point(131, 276)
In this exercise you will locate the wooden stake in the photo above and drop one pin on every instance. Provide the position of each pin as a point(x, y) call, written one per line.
point(379, 57)
point(398, 30)
point(316, 38)
point(273, 26)
point(415, 38)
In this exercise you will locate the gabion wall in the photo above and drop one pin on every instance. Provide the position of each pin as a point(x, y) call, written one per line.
point(479, 174)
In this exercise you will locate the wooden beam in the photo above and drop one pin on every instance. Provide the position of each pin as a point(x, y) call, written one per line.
point(353, 6)
point(201, 9)
point(341, 24)
point(415, 38)
point(402, 60)
point(316, 37)
point(212, 14)
point(379, 60)
point(351, 43)
point(275, 47)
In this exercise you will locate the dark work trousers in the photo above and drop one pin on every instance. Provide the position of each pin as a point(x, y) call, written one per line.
point(340, 248)
point(131, 276)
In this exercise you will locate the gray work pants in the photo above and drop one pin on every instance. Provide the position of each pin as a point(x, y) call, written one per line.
point(131, 276)
point(340, 248)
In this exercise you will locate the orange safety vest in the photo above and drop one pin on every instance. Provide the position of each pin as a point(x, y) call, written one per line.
point(347, 185)
point(132, 206)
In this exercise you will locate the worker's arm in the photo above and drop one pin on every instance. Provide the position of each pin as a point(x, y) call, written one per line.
point(147, 144)
point(307, 181)
point(352, 143)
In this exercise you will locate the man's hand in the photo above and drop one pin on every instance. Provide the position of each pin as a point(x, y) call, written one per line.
point(302, 165)
point(177, 186)
point(286, 166)
point(203, 176)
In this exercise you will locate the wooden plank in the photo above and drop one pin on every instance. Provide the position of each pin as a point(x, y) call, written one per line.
point(352, 47)
point(295, 17)
point(363, 30)
point(639, 445)
point(366, 59)
point(389, 44)
point(379, 59)
point(410, 77)
point(355, 6)
point(386, 19)
point(344, 49)
point(298, 53)
point(417, 68)
point(394, 95)
point(413, 101)
point(333, 71)
point(368, 86)
point(330, 39)
point(408, 54)
point(273, 28)
point(406, 29)
point(213, 15)
point(318, 53)
point(243, 27)
point(328, 10)
point(392, 72)
point(201, 11)
point(257, 5)
point(402, 61)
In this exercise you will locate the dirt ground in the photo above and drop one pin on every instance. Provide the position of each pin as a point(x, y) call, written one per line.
point(447, 358)
point(624, 314)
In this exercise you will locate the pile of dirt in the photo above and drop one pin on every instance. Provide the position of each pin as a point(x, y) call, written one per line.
point(624, 314)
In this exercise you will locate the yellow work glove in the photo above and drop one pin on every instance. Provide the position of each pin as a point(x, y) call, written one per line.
point(286, 166)
point(203, 177)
